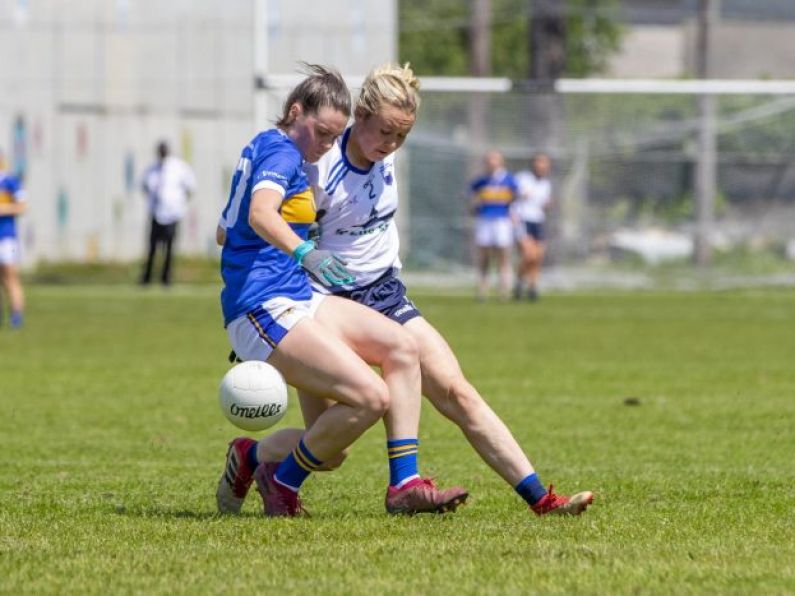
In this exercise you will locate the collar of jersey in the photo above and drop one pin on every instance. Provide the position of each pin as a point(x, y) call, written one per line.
point(348, 164)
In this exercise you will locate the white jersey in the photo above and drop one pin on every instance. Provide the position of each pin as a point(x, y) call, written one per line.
point(169, 184)
point(356, 212)
point(533, 195)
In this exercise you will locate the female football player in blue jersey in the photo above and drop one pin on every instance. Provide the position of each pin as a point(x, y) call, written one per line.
point(271, 313)
point(491, 197)
point(12, 204)
point(356, 195)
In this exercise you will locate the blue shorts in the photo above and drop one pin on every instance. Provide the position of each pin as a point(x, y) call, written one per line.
point(535, 230)
point(387, 295)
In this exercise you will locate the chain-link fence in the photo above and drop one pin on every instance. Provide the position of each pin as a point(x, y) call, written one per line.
point(624, 171)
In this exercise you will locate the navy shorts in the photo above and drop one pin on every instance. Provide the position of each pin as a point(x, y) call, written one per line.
point(387, 295)
point(535, 230)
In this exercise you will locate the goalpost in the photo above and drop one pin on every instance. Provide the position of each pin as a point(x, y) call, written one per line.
point(632, 153)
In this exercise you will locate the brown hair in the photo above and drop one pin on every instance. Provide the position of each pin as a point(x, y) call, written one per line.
point(323, 87)
point(389, 84)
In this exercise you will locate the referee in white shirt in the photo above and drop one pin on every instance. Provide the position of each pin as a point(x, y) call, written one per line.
point(168, 184)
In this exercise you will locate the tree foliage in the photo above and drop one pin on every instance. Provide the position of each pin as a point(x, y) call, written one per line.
point(434, 36)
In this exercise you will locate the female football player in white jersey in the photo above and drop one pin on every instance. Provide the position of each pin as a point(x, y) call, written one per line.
point(356, 195)
point(271, 313)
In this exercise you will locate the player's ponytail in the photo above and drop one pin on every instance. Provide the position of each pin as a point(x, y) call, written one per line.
point(389, 84)
point(323, 87)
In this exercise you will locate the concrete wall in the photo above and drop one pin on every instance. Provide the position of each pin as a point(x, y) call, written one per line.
point(89, 87)
point(740, 50)
point(650, 52)
point(747, 50)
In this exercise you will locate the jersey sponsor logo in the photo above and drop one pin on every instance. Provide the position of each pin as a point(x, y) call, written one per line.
point(376, 223)
point(272, 174)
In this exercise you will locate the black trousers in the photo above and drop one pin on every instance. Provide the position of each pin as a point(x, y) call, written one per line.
point(160, 235)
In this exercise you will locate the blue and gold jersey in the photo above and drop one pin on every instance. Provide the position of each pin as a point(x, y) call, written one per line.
point(494, 194)
point(10, 192)
point(253, 270)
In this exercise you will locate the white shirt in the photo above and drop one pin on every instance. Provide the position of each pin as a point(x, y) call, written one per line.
point(169, 185)
point(534, 194)
point(356, 210)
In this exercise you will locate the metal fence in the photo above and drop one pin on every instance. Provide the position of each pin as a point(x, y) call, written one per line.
point(624, 169)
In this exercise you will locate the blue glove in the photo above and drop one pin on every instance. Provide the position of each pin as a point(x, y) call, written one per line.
point(323, 265)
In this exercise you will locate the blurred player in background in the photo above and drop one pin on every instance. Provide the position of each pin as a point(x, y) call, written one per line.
point(356, 194)
point(168, 184)
point(272, 314)
point(534, 199)
point(12, 204)
point(491, 197)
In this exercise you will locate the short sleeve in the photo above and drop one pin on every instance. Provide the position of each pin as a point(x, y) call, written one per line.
point(275, 170)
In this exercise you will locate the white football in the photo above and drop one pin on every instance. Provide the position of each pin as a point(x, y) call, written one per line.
point(253, 395)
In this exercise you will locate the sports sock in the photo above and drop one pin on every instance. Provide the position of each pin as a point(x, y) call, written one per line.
point(251, 457)
point(402, 461)
point(531, 489)
point(15, 320)
point(296, 467)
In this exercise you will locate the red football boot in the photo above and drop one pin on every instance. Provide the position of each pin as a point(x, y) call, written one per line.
point(278, 500)
point(237, 476)
point(561, 504)
point(421, 496)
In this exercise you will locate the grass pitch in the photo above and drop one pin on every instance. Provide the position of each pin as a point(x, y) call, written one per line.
point(112, 443)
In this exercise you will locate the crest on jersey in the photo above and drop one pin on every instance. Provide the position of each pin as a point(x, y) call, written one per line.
point(386, 174)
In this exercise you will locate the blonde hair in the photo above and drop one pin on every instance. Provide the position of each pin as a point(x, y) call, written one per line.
point(389, 84)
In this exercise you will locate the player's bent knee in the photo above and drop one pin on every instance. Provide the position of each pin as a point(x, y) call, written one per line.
point(375, 399)
point(404, 350)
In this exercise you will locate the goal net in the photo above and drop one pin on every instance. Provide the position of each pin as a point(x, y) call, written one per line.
point(625, 161)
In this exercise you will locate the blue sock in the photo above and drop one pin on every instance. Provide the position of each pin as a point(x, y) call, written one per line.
point(251, 457)
point(402, 461)
point(296, 467)
point(15, 319)
point(531, 489)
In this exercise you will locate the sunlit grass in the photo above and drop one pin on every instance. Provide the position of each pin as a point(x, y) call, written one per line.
point(113, 442)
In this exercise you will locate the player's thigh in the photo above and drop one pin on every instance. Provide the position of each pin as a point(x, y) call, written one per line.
point(525, 244)
point(9, 274)
point(439, 365)
point(369, 333)
point(312, 359)
point(484, 255)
